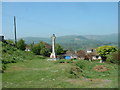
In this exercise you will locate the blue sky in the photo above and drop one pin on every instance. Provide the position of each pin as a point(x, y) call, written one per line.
point(42, 19)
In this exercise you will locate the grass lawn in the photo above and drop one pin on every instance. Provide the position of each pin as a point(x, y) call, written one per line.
point(40, 73)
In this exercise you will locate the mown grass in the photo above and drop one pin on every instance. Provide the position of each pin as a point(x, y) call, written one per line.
point(40, 73)
point(36, 73)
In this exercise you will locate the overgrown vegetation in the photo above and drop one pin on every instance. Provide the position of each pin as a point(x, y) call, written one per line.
point(114, 57)
point(10, 54)
point(75, 72)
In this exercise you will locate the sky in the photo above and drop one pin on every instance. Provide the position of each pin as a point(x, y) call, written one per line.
point(42, 19)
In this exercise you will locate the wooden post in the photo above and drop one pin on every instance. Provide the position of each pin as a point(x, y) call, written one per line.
point(15, 31)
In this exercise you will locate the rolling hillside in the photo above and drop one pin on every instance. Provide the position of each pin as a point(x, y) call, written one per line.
point(76, 42)
point(107, 38)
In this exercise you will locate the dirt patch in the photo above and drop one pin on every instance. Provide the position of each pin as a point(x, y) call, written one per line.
point(89, 82)
point(100, 68)
point(84, 80)
point(15, 68)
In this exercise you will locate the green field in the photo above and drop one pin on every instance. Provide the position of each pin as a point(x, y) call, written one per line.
point(40, 73)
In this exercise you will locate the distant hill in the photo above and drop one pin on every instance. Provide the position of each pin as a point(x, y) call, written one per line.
point(75, 42)
point(30, 40)
point(108, 38)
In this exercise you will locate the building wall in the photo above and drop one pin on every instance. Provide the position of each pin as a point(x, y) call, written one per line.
point(1, 38)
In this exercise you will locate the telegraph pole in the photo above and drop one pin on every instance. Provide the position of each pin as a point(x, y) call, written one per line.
point(15, 31)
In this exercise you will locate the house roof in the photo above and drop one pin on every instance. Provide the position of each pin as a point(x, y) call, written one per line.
point(28, 46)
point(70, 53)
point(47, 45)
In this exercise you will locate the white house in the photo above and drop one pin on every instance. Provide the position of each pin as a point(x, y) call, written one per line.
point(90, 51)
point(27, 48)
point(95, 55)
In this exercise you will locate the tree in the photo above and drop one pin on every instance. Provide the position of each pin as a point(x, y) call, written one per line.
point(44, 52)
point(36, 49)
point(58, 49)
point(31, 45)
point(41, 44)
point(40, 49)
point(21, 44)
point(103, 51)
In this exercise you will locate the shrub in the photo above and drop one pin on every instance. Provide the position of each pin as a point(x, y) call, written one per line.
point(21, 44)
point(44, 52)
point(60, 56)
point(69, 61)
point(62, 61)
point(114, 58)
point(3, 67)
point(82, 64)
point(75, 71)
point(103, 51)
point(58, 49)
point(40, 49)
point(36, 49)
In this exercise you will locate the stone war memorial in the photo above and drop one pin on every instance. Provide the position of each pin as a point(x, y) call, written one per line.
point(53, 55)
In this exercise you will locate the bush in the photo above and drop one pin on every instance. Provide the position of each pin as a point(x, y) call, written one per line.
point(69, 61)
point(40, 49)
point(44, 52)
point(21, 44)
point(58, 49)
point(36, 49)
point(103, 51)
point(114, 58)
point(75, 71)
point(62, 61)
point(60, 56)
point(3, 67)
point(82, 64)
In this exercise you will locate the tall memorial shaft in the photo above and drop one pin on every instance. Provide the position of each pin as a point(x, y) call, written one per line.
point(53, 56)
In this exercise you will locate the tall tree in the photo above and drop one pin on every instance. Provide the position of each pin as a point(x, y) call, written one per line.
point(21, 44)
